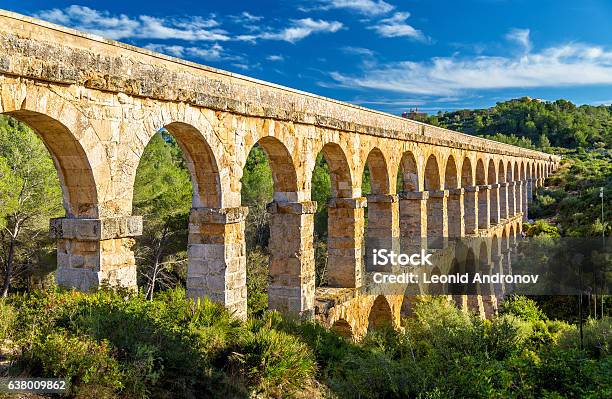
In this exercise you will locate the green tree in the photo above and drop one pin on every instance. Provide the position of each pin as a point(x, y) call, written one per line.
point(162, 195)
point(561, 122)
point(8, 201)
point(321, 192)
point(544, 142)
point(29, 194)
point(257, 191)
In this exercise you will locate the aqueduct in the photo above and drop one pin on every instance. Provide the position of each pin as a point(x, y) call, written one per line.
point(96, 103)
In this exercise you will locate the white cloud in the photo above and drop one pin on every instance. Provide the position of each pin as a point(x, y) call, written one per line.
point(572, 64)
point(216, 52)
point(275, 57)
point(396, 26)
point(366, 52)
point(121, 26)
point(399, 102)
point(247, 16)
point(520, 36)
point(298, 30)
point(366, 7)
point(245, 67)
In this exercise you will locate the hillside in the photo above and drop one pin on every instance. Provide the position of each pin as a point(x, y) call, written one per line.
point(533, 123)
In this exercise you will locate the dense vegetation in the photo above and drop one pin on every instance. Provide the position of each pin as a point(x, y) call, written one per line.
point(534, 123)
point(30, 195)
point(571, 199)
point(107, 345)
point(156, 344)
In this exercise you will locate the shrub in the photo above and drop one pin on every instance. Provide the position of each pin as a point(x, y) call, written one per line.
point(275, 363)
point(507, 335)
point(110, 344)
point(8, 317)
point(541, 228)
point(438, 326)
point(568, 373)
point(597, 337)
point(257, 281)
point(86, 363)
point(522, 307)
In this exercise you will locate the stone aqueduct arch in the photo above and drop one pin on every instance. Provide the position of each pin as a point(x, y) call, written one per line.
point(96, 103)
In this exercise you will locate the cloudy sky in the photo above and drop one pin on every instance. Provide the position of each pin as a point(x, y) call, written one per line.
point(389, 55)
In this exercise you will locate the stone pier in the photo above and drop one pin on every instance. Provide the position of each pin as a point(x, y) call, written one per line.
point(217, 257)
point(94, 252)
point(292, 269)
point(345, 240)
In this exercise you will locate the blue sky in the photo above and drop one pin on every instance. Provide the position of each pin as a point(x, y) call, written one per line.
point(389, 55)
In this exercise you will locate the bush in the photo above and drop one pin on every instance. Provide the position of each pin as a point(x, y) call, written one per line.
point(87, 364)
point(275, 363)
point(438, 326)
point(112, 344)
point(569, 373)
point(522, 307)
point(597, 337)
point(507, 335)
point(258, 263)
point(8, 317)
point(541, 228)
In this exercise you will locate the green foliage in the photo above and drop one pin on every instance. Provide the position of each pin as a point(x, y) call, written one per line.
point(30, 194)
point(522, 307)
point(8, 317)
point(572, 199)
point(167, 347)
point(506, 335)
point(597, 335)
point(540, 228)
point(321, 192)
point(162, 195)
point(28, 168)
point(366, 178)
point(257, 183)
point(173, 347)
point(8, 201)
point(257, 191)
point(275, 362)
point(526, 121)
point(86, 363)
point(257, 281)
point(163, 185)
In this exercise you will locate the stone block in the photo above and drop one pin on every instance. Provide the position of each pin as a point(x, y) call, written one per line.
point(390, 198)
point(95, 229)
point(294, 208)
point(413, 195)
point(203, 216)
point(349, 203)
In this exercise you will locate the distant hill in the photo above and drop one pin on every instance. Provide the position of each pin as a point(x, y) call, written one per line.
point(534, 123)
